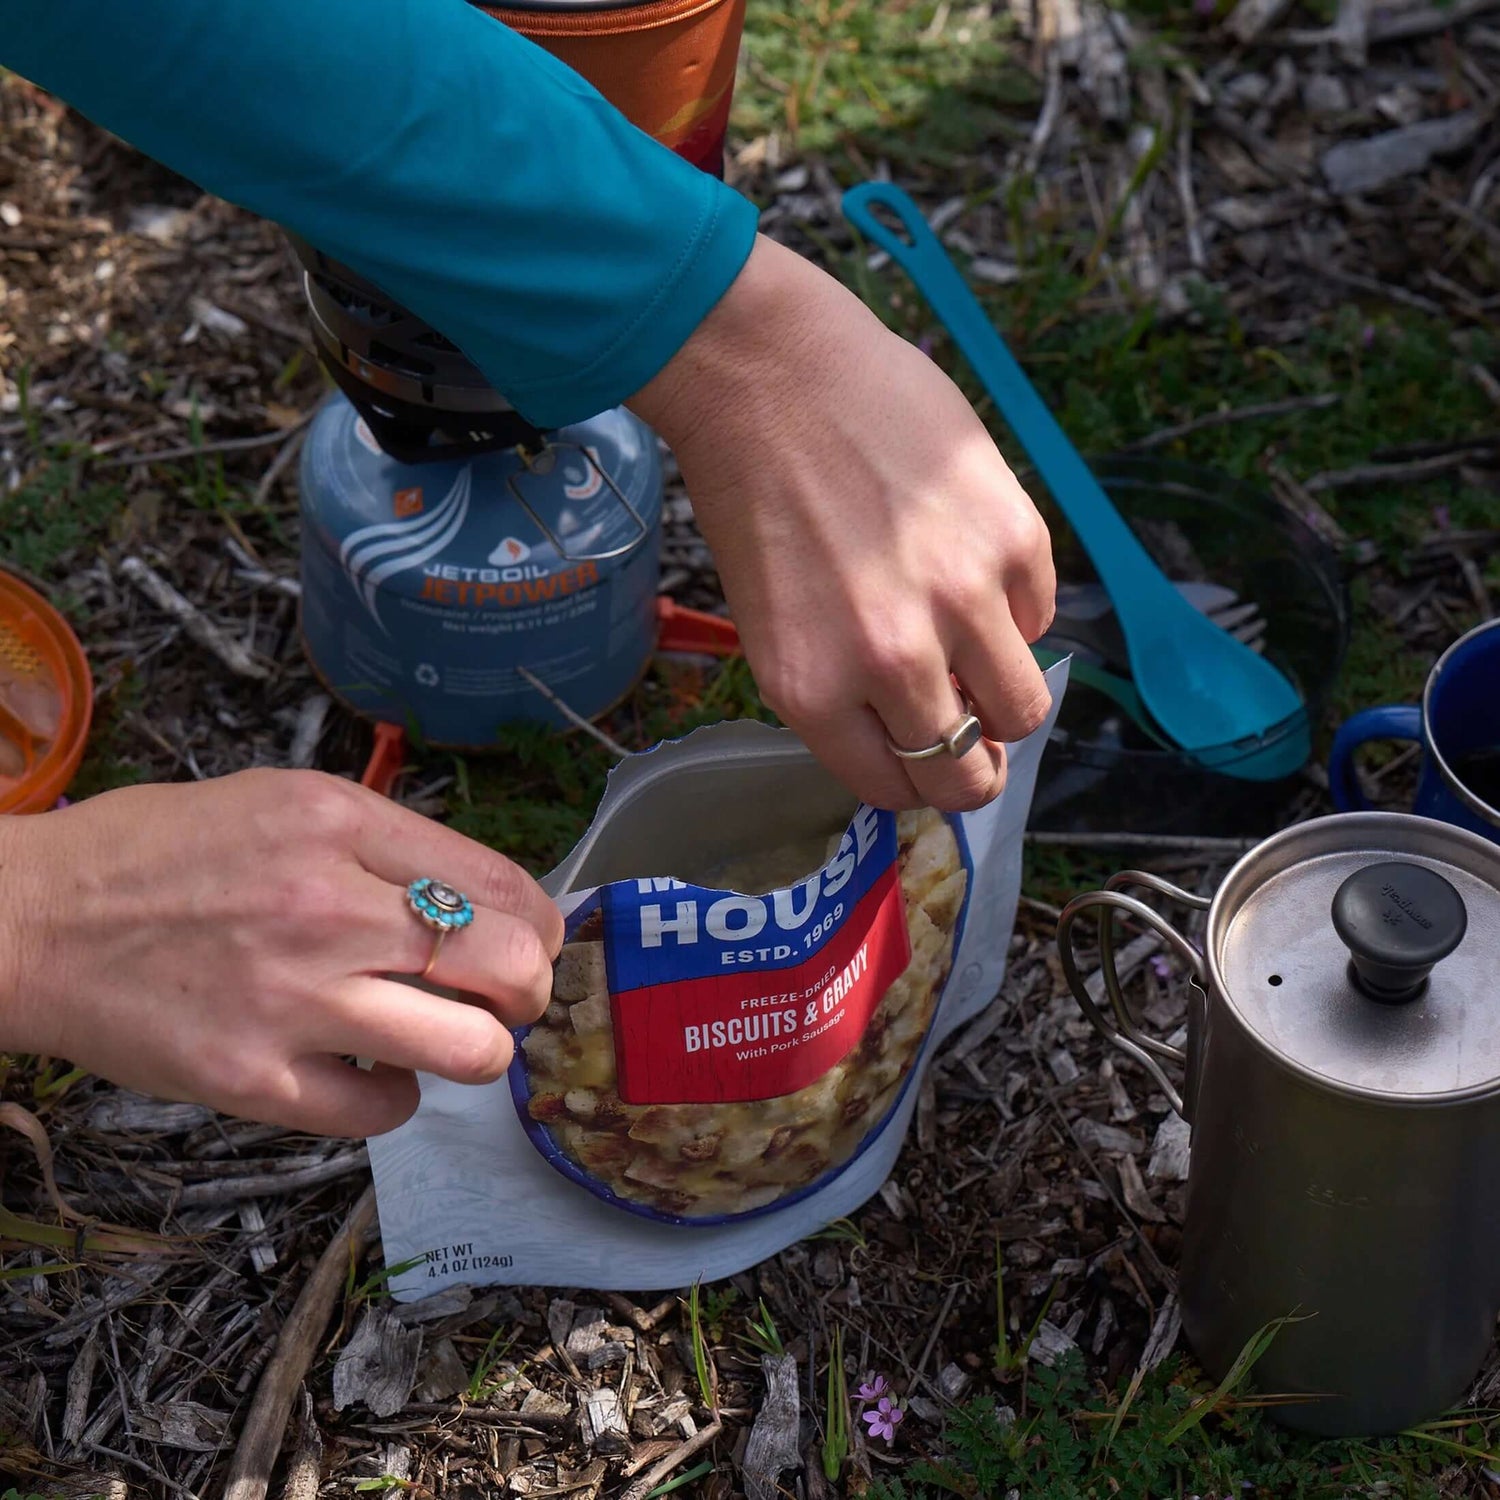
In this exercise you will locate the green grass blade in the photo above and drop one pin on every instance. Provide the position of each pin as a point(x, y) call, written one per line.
point(836, 1433)
point(1255, 1346)
point(699, 1471)
point(701, 1363)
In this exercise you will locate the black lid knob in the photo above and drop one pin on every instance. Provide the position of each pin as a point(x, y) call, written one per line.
point(1397, 921)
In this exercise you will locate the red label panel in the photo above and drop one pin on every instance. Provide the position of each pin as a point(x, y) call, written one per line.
point(737, 1037)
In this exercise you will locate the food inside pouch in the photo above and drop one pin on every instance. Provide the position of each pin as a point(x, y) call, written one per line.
point(708, 1160)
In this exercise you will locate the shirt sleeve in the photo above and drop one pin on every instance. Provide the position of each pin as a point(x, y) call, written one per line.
point(478, 181)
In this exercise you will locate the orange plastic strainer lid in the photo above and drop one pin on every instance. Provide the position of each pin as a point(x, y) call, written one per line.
point(46, 700)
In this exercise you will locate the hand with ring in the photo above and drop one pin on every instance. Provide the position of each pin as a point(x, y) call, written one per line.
point(234, 942)
point(884, 567)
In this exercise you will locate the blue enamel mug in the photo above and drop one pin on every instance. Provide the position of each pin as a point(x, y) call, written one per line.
point(1458, 728)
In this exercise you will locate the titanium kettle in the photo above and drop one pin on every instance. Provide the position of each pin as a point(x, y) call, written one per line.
point(1342, 1081)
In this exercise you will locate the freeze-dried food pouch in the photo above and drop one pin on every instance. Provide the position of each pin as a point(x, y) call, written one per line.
point(777, 1073)
point(756, 971)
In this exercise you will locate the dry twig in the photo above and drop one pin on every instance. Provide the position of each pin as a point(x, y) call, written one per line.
point(192, 619)
point(225, 445)
point(260, 1442)
point(675, 1459)
point(1259, 412)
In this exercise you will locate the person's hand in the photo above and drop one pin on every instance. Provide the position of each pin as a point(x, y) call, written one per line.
point(226, 943)
point(872, 543)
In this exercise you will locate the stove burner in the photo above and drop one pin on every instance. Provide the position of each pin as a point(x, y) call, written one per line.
point(420, 396)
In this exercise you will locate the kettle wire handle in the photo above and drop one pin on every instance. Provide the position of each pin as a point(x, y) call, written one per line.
point(1122, 1032)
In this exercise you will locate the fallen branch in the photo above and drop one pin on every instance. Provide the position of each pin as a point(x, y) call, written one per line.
point(1394, 25)
point(1259, 412)
point(773, 1447)
point(658, 1472)
point(1046, 120)
point(1351, 32)
point(1397, 294)
point(1486, 382)
point(311, 718)
point(572, 715)
point(269, 1184)
point(933, 1333)
point(1292, 493)
point(1430, 19)
point(155, 1474)
point(1197, 254)
point(266, 1426)
point(287, 452)
point(225, 445)
point(1366, 474)
point(638, 1317)
point(192, 619)
point(1463, 213)
point(249, 568)
point(304, 1471)
point(1405, 451)
point(1470, 569)
point(1154, 843)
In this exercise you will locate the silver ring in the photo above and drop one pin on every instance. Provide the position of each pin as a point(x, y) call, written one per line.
point(957, 742)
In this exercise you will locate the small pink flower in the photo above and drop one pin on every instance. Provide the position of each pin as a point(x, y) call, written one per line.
point(884, 1420)
point(873, 1389)
point(1161, 965)
point(1367, 337)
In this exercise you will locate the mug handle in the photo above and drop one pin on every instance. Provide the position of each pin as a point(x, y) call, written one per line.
point(1122, 1032)
point(1392, 721)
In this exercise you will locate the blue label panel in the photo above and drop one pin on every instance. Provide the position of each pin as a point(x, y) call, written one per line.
point(662, 931)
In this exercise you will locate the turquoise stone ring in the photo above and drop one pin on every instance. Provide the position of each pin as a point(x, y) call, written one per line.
point(440, 907)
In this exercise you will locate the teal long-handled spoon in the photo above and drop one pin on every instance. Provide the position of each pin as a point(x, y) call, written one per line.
point(1229, 709)
point(1118, 690)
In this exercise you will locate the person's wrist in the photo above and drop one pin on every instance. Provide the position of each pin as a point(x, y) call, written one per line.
point(25, 901)
point(737, 357)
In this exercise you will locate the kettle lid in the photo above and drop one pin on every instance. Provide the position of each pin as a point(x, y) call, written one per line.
point(1364, 949)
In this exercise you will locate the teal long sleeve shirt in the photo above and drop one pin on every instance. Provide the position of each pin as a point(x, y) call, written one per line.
point(480, 182)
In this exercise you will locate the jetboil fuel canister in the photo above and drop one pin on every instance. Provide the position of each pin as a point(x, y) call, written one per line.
point(438, 595)
point(459, 566)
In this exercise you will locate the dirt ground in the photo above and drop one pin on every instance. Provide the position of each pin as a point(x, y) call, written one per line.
point(1305, 170)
